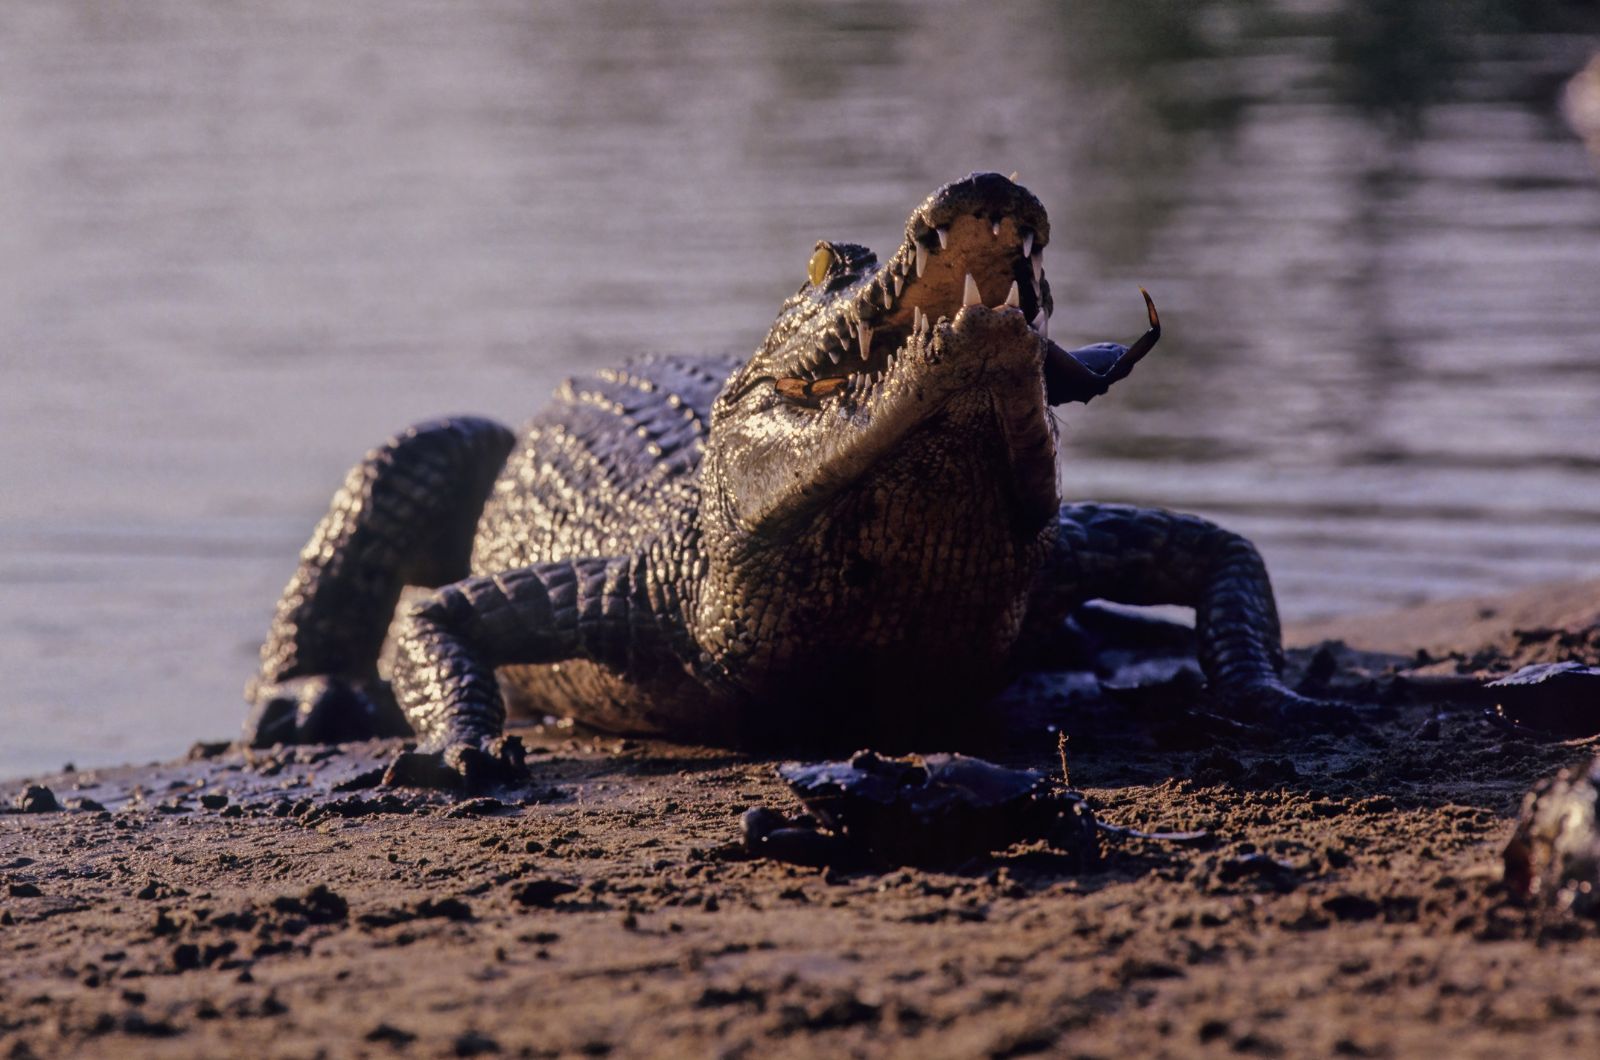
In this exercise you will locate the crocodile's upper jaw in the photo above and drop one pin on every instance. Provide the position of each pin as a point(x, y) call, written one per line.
point(852, 324)
point(861, 357)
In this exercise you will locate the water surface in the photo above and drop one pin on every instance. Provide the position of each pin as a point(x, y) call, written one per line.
point(240, 244)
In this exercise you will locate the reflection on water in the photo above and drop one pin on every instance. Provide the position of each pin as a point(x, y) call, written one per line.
point(240, 244)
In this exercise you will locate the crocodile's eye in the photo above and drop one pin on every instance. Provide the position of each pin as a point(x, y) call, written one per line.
point(817, 268)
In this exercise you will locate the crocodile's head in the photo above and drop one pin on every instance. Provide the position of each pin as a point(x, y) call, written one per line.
point(878, 491)
point(869, 362)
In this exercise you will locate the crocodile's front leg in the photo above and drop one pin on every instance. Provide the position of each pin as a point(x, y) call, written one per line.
point(449, 645)
point(405, 516)
point(1150, 556)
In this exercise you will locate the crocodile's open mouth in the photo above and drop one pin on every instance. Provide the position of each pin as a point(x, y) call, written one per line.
point(948, 260)
point(954, 324)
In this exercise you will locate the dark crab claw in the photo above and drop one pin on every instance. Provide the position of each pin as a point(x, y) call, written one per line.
point(1088, 371)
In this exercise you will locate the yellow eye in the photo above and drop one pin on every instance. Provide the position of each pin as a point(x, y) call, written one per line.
point(821, 262)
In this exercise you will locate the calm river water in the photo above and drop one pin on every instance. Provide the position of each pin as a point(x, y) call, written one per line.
point(242, 243)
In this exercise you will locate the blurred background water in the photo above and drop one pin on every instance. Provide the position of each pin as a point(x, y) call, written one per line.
point(242, 243)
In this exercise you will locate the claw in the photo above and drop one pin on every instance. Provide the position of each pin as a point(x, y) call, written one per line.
point(1088, 372)
point(321, 709)
point(421, 769)
point(1147, 341)
point(463, 767)
point(1274, 705)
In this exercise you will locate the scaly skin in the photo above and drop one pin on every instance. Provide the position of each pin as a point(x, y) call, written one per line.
point(849, 535)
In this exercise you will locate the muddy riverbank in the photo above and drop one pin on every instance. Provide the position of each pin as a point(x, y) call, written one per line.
point(272, 903)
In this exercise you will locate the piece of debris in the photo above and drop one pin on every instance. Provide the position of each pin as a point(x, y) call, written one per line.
point(482, 806)
point(38, 799)
point(1554, 854)
point(542, 893)
point(319, 905)
point(922, 809)
point(1561, 698)
point(1271, 871)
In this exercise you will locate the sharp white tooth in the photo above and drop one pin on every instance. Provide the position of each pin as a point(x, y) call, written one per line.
point(833, 355)
point(969, 294)
point(1041, 324)
point(1014, 297)
point(916, 318)
point(1027, 243)
point(866, 342)
point(1038, 267)
point(944, 238)
point(899, 284)
point(994, 229)
point(888, 297)
point(850, 326)
point(922, 260)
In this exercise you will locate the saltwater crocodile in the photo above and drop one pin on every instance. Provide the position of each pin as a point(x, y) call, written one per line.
point(856, 530)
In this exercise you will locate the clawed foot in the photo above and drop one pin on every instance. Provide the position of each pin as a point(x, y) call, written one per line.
point(321, 709)
point(464, 767)
point(1274, 705)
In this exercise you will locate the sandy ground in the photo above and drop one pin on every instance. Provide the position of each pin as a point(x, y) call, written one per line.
point(243, 904)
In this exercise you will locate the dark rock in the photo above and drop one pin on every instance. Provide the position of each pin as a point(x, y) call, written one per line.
point(717, 997)
point(427, 909)
point(1352, 907)
point(542, 893)
point(138, 1023)
point(319, 905)
point(846, 1010)
point(444, 909)
point(930, 809)
point(1280, 874)
point(38, 799)
point(1554, 853)
point(479, 807)
point(156, 890)
point(385, 1032)
point(474, 1044)
point(1561, 698)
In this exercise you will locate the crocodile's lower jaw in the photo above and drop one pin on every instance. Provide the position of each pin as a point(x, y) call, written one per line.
point(1004, 357)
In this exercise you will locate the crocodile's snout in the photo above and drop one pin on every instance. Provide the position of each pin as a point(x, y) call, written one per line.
point(976, 241)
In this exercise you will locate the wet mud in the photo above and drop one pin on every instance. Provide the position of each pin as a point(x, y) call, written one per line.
point(1349, 902)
